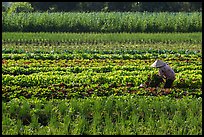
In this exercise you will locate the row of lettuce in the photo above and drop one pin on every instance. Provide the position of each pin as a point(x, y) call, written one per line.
point(99, 89)
point(17, 67)
point(192, 79)
point(80, 78)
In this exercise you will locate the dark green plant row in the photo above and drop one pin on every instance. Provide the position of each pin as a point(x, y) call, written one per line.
point(184, 48)
point(102, 22)
point(97, 38)
point(69, 50)
point(130, 114)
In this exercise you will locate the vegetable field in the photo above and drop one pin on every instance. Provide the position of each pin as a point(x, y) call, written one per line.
point(88, 83)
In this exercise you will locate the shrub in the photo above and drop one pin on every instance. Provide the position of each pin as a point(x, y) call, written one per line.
point(3, 8)
point(18, 7)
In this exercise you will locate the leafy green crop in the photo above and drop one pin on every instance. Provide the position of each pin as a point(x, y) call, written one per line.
point(101, 116)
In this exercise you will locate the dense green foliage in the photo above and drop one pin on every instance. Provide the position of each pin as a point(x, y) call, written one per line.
point(111, 115)
point(118, 6)
point(18, 7)
point(102, 22)
point(111, 6)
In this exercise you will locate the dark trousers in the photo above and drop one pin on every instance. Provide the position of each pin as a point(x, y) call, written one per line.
point(169, 83)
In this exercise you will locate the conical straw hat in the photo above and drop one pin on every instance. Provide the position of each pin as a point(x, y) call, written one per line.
point(158, 63)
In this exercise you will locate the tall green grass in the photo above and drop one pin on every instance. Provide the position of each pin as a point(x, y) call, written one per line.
point(102, 22)
point(131, 115)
